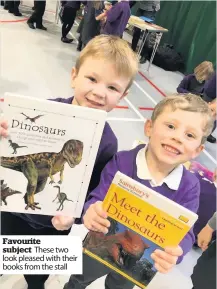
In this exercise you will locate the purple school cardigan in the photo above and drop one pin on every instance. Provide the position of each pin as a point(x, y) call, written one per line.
point(107, 149)
point(187, 194)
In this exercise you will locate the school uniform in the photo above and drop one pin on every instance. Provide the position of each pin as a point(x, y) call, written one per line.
point(209, 92)
point(190, 84)
point(206, 89)
point(29, 224)
point(207, 205)
point(91, 26)
point(117, 19)
point(180, 185)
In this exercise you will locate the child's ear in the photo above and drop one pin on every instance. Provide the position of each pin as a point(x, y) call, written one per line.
point(148, 128)
point(198, 151)
point(73, 76)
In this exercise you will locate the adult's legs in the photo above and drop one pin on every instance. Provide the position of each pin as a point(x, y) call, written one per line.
point(137, 31)
point(68, 19)
point(37, 15)
point(13, 7)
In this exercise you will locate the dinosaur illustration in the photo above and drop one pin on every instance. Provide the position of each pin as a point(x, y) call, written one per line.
point(15, 146)
point(62, 197)
point(37, 168)
point(32, 119)
point(6, 192)
point(124, 249)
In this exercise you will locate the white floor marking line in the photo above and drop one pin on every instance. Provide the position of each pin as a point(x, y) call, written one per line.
point(209, 156)
point(126, 119)
point(151, 98)
point(134, 109)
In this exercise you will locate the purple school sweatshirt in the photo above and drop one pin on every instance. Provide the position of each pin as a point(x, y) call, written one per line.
point(107, 149)
point(189, 84)
point(210, 89)
point(207, 205)
point(117, 19)
point(187, 194)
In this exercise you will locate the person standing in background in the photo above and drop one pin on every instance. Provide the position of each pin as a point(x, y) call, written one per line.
point(68, 18)
point(117, 18)
point(149, 10)
point(37, 15)
point(93, 14)
point(204, 274)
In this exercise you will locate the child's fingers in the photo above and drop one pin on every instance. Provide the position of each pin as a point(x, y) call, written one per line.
point(166, 265)
point(93, 226)
point(101, 221)
point(158, 254)
point(98, 228)
point(3, 132)
point(160, 269)
point(99, 210)
point(174, 251)
point(4, 124)
point(62, 222)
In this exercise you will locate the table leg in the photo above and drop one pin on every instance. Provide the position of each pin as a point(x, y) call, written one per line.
point(57, 12)
point(157, 42)
point(144, 37)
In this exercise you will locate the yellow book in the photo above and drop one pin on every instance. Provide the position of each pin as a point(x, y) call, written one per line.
point(141, 222)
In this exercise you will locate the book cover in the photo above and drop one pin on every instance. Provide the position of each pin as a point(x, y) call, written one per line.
point(141, 221)
point(48, 158)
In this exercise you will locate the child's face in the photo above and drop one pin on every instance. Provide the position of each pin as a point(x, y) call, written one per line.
point(175, 136)
point(108, 6)
point(97, 85)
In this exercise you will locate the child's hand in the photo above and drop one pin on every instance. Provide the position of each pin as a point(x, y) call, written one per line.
point(95, 218)
point(3, 128)
point(165, 260)
point(62, 223)
point(205, 237)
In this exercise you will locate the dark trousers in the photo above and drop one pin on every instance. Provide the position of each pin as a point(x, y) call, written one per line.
point(13, 6)
point(137, 31)
point(13, 225)
point(204, 274)
point(68, 19)
point(38, 13)
point(93, 270)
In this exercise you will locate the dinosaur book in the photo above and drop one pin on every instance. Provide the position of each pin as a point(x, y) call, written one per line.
point(141, 222)
point(47, 159)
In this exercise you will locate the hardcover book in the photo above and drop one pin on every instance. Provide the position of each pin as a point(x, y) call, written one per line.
point(48, 158)
point(141, 222)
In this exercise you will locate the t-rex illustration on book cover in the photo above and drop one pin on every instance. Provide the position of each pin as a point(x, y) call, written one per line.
point(47, 159)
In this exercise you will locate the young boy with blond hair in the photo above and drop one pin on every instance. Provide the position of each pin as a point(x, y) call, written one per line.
point(103, 73)
point(177, 131)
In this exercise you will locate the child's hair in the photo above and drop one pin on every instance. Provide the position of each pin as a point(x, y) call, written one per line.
point(97, 4)
point(204, 71)
point(187, 102)
point(114, 50)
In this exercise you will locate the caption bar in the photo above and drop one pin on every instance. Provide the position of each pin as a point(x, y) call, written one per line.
point(41, 255)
